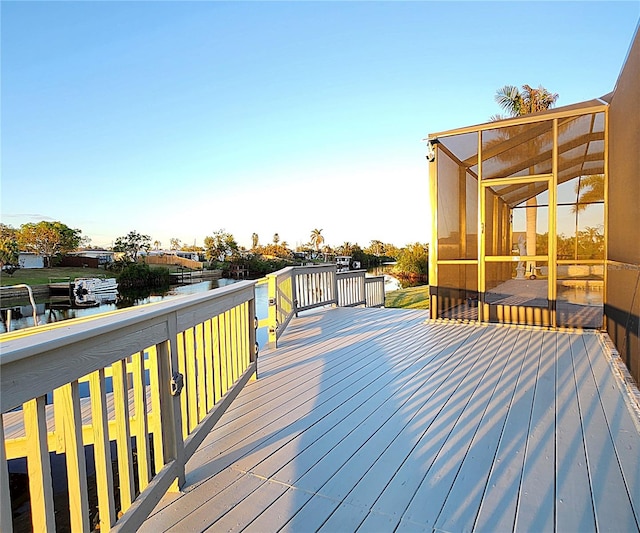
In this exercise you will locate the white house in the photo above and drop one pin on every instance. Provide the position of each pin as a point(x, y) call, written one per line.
point(30, 260)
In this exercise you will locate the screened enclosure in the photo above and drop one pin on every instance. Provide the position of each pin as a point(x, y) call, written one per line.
point(519, 211)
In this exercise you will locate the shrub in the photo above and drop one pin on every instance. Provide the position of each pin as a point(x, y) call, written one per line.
point(413, 260)
point(142, 275)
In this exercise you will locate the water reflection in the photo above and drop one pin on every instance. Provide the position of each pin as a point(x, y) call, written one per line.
point(391, 281)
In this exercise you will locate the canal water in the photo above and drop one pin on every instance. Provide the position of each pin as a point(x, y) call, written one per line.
point(51, 310)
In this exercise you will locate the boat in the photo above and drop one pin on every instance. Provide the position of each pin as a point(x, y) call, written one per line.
point(343, 263)
point(95, 284)
point(90, 292)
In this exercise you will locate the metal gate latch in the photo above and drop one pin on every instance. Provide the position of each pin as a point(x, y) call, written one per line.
point(177, 383)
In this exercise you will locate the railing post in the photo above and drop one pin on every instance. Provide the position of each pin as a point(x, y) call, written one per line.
point(253, 343)
point(170, 412)
point(272, 310)
point(294, 292)
point(334, 284)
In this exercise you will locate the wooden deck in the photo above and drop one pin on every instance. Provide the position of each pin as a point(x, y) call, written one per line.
point(379, 420)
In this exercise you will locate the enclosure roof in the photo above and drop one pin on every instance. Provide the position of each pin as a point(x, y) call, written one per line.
point(523, 146)
point(587, 106)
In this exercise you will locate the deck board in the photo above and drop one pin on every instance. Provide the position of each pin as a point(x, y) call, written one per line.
point(379, 419)
point(573, 483)
point(499, 502)
point(463, 500)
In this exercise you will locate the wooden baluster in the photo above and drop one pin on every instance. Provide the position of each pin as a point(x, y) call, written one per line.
point(182, 368)
point(6, 523)
point(123, 435)
point(68, 397)
point(209, 356)
point(155, 418)
point(102, 450)
point(38, 465)
point(141, 430)
point(190, 388)
point(201, 389)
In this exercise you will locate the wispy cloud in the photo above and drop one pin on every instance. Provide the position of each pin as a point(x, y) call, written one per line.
point(36, 217)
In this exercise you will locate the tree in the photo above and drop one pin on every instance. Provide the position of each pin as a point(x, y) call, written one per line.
point(220, 245)
point(414, 259)
point(48, 239)
point(317, 239)
point(391, 250)
point(9, 249)
point(517, 103)
point(589, 190)
point(254, 241)
point(376, 248)
point(132, 244)
point(276, 238)
point(345, 248)
point(174, 243)
point(156, 245)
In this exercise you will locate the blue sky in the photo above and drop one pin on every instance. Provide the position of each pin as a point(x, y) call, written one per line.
point(176, 119)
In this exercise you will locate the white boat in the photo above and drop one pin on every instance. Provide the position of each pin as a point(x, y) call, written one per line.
point(89, 292)
point(95, 284)
point(343, 262)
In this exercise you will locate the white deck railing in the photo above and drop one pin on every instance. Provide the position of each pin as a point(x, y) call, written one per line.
point(374, 291)
point(295, 289)
point(173, 368)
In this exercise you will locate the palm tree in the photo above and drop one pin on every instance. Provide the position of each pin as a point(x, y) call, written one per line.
point(276, 238)
point(530, 100)
point(317, 239)
point(517, 103)
point(589, 190)
point(346, 248)
point(254, 240)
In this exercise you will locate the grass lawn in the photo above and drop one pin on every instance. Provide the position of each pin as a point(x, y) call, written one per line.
point(410, 298)
point(44, 276)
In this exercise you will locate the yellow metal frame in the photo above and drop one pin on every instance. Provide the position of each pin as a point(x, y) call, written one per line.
point(556, 117)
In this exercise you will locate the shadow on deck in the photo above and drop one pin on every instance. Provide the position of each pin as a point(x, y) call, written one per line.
point(378, 419)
